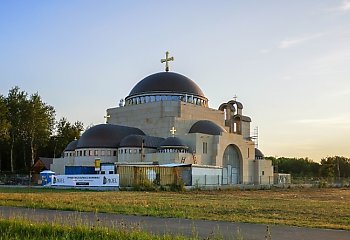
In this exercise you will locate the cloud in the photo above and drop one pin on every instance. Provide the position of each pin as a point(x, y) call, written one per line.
point(339, 121)
point(318, 121)
point(340, 93)
point(264, 51)
point(333, 63)
point(287, 43)
point(345, 6)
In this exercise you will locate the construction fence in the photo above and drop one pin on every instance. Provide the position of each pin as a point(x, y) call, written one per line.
point(322, 182)
point(14, 179)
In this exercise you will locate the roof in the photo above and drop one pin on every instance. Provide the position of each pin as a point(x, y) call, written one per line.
point(42, 164)
point(137, 141)
point(106, 136)
point(166, 82)
point(175, 165)
point(71, 146)
point(246, 119)
point(239, 104)
point(258, 153)
point(231, 105)
point(46, 161)
point(206, 127)
point(173, 142)
point(47, 171)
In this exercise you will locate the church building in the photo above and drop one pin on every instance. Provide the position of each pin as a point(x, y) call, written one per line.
point(165, 121)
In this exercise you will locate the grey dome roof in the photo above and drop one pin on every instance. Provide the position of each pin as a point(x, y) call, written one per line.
point(173, 142)
point(206, 127)
point(168, 82)
point(106, 136)
point(71, 146)
point(258, 153)
point(136, 141)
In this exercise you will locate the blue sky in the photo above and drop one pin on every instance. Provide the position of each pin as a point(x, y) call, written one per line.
point(287, 61)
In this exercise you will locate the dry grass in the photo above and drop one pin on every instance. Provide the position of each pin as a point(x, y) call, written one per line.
point(322, 208)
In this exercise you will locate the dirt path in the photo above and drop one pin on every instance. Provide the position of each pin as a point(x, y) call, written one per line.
point(177, 226)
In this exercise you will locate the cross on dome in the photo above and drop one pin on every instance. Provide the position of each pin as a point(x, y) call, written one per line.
point(235, 97)
point(173, 130)
point(166, 60)
point(107, 117)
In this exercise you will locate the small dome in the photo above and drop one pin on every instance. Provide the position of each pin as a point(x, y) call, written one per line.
point(258, 154)
point(206, 127)
point(105, 136)
point(173, 142)
point(136, 141)
point(168, 82)
point(71, 146)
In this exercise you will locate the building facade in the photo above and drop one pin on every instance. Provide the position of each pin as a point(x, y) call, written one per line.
point(166, 119)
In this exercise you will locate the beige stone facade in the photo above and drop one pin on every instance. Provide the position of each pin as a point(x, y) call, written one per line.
point(157, 118)
point(212, 138)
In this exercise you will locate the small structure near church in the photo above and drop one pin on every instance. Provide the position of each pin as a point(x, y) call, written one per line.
point(46, 177)
point(165, 123)
point(40, 165)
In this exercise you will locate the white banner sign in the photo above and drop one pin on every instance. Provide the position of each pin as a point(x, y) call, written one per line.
point(87, 180)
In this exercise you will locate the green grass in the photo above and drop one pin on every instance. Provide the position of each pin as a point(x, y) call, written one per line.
point(23, 230)
point(320, 208)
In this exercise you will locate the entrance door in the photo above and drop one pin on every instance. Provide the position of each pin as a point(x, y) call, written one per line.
point(224, 176)
point(234, 175)
point(231, 165)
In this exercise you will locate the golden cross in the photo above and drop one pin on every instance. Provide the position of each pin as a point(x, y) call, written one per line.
point(235, 97)
point(106, 117)
point(167, 59)
point(173, 130)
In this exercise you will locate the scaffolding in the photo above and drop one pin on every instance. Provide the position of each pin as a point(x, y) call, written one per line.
point(255, 137)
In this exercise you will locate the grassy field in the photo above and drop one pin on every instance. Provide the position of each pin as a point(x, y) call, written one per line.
point(23, 230)
point(321, 208)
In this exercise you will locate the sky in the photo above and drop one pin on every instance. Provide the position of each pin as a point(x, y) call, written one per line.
point(288, 62)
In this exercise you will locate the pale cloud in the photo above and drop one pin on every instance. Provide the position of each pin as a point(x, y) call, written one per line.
point(340, 93)
point(318, 121)
point(264, 51)
point(338, 121)
point(343, 7)
point(335, 63)
point(287, 78)
point(291, 42)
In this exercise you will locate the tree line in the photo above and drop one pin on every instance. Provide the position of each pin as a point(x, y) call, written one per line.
point(28, 129)
point(335, 167)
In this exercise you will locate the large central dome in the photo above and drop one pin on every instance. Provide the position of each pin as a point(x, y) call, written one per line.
point(166, 82)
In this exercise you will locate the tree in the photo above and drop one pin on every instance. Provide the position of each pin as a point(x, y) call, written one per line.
point(27, 124)
point(65, 133)
point(16, 102)
point(336, 166)
point(4, 126)
point(40, 124)
point(4, 123)
point(298, 167)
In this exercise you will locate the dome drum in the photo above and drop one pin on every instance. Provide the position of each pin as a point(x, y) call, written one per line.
point(173, 144)
point(166, 96)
